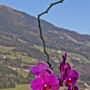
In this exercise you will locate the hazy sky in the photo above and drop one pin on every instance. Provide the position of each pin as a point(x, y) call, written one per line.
point(72, 14)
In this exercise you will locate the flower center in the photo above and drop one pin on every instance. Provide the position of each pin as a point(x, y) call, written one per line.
point(68, 81)
point(62, 68)
point(45, 87)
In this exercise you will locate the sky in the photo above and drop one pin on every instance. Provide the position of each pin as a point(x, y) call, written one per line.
point(73, 15)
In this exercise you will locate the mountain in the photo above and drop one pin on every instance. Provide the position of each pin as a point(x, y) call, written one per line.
point(20, 42)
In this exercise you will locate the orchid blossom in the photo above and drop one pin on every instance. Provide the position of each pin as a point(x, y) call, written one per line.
point(46, 80)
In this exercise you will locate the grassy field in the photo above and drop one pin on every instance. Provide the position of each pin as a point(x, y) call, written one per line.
point(8, 52)
point(54, 53)
point(27, 87)
point(23, 87)
point(19, 87)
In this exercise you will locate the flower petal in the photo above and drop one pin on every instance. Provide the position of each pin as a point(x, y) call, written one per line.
point(52, 80)
point(44, 75)
point(67, 69)
point(37, 84)
point(55, 87)
point(73, 77)
point(61, 80)
point(49, 71)
point(64, 58)
point(74, 74)
point(35, 70)
point(42, 65)
point(49, 79)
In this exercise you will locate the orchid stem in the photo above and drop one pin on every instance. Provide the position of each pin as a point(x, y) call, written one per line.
point(40, 29)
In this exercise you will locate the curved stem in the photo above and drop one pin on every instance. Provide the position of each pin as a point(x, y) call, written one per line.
point(39, 25)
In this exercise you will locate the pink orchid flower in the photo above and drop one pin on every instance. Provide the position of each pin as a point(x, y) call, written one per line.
point(71, 80)
point(41, 66)
point(64, 69)
point(45, 81)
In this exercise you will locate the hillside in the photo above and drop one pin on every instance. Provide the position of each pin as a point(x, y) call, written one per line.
point(20, 45)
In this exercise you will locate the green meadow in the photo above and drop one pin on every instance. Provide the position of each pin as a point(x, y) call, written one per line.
point(20, 87)
point(24, 87)
point(27, 87)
